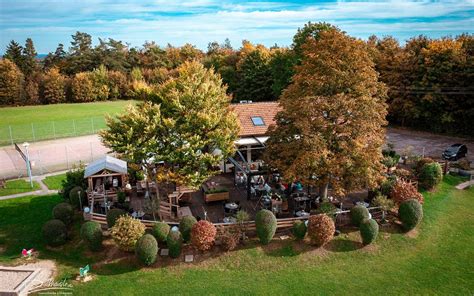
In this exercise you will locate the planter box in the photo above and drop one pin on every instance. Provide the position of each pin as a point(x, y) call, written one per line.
point(209, 197)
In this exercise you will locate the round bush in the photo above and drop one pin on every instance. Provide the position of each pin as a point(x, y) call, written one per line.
point(91, 233)
point(55, 232)
point(185, 226)
point(146, 249)
point(126, 232)
point(175, 243)
point(299, 229)
point(430, 175)
point(402, 191)
point(321, 229)
point(113, 215)
point(410, 213)
point(203, 235)
point(358, 214)
point(266, 225)
point(327, 208)
point(420, 164)
point(160, 231)
point(369, 229)
point(63, 212)
point(77, 197)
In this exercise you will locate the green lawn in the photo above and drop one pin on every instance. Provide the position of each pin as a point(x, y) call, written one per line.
point(33, 123)
point(436, 260)
point(54, 182)
point(18, 186)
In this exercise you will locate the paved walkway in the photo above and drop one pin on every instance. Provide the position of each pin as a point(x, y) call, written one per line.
point(43, 191)
point(465, 185)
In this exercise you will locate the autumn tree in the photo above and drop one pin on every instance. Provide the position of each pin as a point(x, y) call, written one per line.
point(82, 87)
point(11, 83)
point(54, 87)
point(309, 31)
point(330, 130)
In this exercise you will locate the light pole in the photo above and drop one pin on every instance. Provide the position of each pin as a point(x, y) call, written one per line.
point(28, 164)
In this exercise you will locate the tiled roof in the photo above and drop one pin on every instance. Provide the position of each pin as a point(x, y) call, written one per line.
point(245, 112)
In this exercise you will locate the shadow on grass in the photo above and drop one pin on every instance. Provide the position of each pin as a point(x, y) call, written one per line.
point(343, 245)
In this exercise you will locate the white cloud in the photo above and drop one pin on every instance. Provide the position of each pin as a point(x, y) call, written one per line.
point(200, 22)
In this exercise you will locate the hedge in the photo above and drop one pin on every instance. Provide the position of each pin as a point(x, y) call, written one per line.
point(64, 212)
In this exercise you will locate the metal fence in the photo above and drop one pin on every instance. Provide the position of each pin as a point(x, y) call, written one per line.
point(50, 157)
point(47, 130)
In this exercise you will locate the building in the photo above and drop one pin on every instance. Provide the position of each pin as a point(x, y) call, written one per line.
point(254, 119)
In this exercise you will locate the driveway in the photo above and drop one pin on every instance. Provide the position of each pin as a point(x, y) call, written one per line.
point(432, 144)
point(62, 154)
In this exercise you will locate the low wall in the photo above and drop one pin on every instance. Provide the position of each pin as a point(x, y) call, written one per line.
point(282, 223)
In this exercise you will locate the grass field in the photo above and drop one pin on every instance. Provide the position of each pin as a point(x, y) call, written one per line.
point(18, 186)
point(33, 123)
point(434, 260)
point(54, 182)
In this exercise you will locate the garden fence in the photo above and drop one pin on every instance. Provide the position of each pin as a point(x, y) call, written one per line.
point(48, 130)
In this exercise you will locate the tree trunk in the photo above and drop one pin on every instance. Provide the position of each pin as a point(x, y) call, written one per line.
point(323, 191)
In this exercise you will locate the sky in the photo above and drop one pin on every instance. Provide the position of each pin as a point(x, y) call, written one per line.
point(199, 22)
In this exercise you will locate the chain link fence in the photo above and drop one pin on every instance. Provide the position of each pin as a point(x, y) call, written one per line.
point(48, 157)
point(49, 130)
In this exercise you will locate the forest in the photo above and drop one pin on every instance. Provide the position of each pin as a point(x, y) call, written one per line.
point(430, 81)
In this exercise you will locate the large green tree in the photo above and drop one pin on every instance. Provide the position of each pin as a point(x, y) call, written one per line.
point(330, 130)
point(187, 124)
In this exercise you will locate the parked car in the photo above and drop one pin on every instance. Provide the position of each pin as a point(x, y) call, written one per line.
point(455, 152)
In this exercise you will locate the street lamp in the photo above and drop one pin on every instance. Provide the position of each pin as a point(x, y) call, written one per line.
point(28, 164)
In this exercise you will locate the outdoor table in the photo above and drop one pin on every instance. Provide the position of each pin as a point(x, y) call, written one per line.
point(231, 206)
point(302, 214)
point(362, 203)
point(229, 220)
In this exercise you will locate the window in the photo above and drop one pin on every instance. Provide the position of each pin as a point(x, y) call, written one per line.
point(257, 121)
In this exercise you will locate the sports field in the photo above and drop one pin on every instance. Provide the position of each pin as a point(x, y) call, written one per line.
point(34, 123)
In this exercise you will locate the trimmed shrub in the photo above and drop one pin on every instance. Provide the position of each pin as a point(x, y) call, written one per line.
point(64, 212)
point(358, 214)
point(160, 231)
point(113, 215)
point(126, 232)
point(327, 208)
point(203, 235)
point(430, 175)
point(146, 249)
point(420, 164)
point(77, 197)
point(410, 213)
point(369, 229)
point(74, 177)
point(321, 229)
point(299, 229)
point(55, 232)
point(185, 226)
point(266, 225)
point(403, 191)
point(91, 233)
point(230, 238)
point(175, 243)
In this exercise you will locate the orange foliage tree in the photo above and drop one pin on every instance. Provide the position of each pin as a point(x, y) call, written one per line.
point(330, 129)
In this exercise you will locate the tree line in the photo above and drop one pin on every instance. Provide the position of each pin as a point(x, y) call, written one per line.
point(429, 80)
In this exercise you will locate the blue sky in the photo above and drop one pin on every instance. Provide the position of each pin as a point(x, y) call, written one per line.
point(199, 22)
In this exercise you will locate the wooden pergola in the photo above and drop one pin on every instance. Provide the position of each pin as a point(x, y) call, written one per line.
point(105, 177)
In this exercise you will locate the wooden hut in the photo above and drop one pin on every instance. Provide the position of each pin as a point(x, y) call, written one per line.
point(105, 177)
